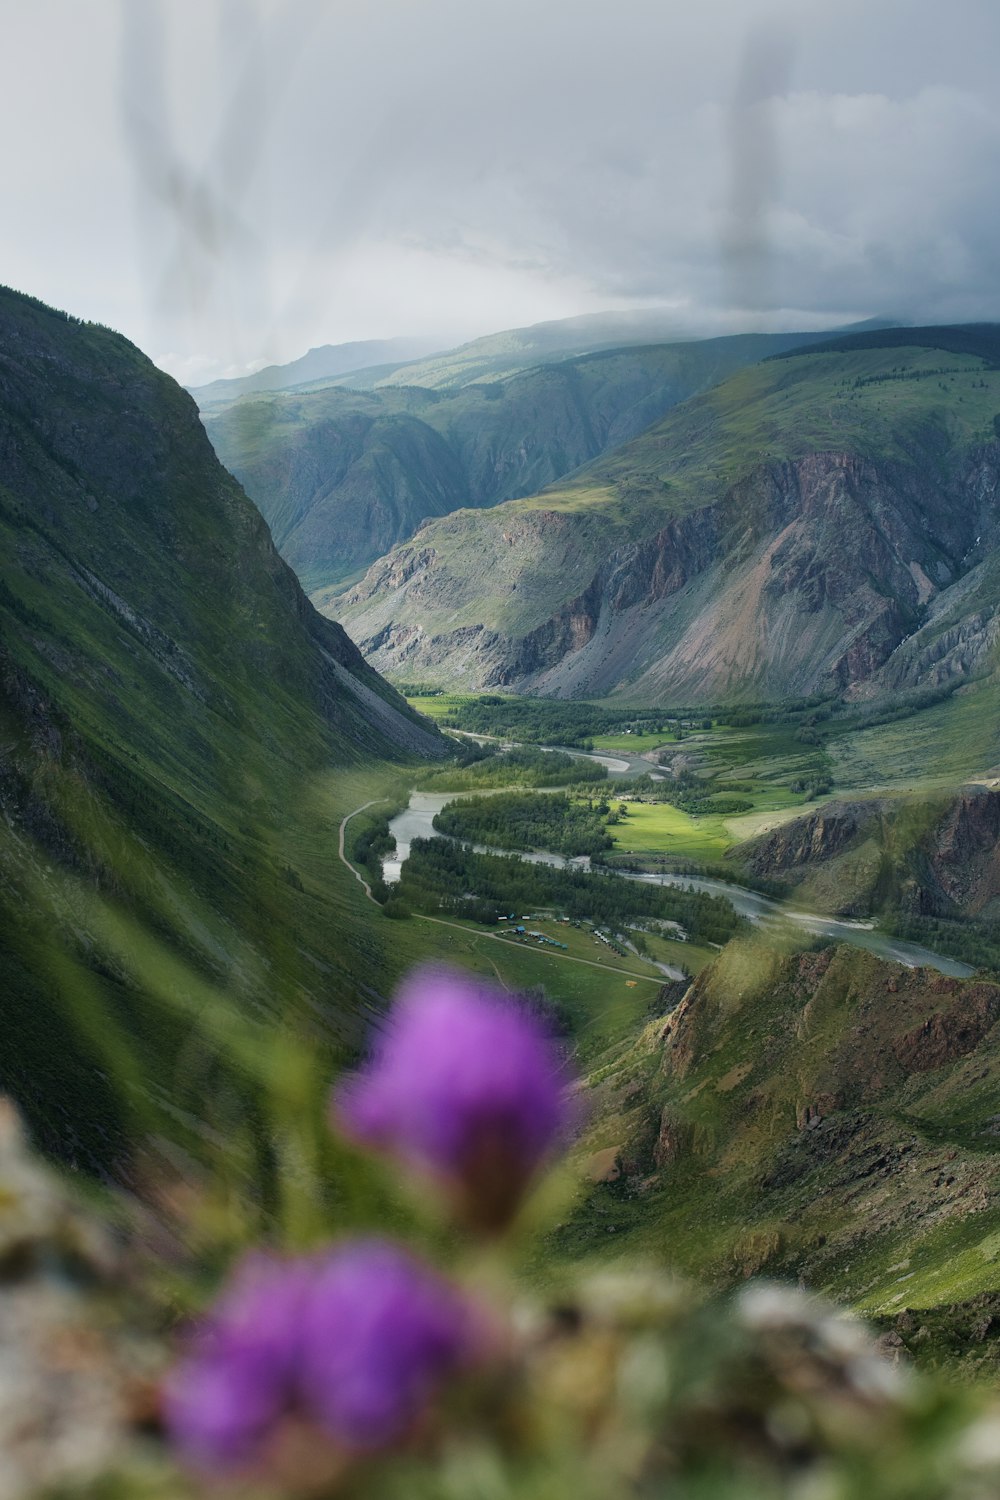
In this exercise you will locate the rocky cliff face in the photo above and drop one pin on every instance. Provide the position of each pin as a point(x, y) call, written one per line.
point(805, 574)
point(825, 1114)
point(964, 852)
point(936, 857)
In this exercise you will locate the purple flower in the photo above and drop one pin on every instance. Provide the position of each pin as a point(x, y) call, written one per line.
point(227, 1395)
point(383, 1332)
point(355, 1343)
point(465, 1085)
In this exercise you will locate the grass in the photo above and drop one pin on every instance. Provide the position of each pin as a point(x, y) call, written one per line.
point(763, 818)
point(951, 1263)
point(689, 956)
point(939, 746)
point(660, 828)
point(580, 943)
point(632, 744)
point(602, 1008)
point(438, 705)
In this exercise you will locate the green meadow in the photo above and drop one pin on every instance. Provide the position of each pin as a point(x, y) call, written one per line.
point(632, 744)
point(660, 828)
point(600, 1006)
point(438, 705)
point(940, 746)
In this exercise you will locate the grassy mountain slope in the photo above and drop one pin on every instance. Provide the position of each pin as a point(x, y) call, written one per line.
point(394, 362)
point(499, 355)
point(178, 728)
point(342, 476)
point(826, 1115)
point(781, 534)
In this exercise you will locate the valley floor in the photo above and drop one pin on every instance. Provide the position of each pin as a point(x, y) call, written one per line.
point(713, 1196)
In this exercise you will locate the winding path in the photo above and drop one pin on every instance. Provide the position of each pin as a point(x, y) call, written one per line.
point(340, 845)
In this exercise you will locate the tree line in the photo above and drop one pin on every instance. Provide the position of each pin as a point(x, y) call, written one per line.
point(441, 875)
point(522, 766)
point(519, 820)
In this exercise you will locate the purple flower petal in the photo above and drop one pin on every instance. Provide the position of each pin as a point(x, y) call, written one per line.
point(223, 1399)
point(382, 1332)
point(465, 1084)
point(356, 1342)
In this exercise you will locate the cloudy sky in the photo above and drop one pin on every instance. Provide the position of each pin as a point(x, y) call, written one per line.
point(230, 182)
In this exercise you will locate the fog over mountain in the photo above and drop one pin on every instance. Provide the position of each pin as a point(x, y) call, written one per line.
point(233, 183)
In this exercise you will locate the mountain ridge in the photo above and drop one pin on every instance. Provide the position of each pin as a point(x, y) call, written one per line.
point(343, 476)
point(324, 362)
point(786, 533)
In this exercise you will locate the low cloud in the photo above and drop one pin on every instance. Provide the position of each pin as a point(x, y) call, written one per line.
point(275, 175)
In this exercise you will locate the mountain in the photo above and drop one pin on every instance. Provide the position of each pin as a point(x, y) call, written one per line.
point(823, 521)
point(328, 362)
point(515, 349)
point(378, 362)
point(342, 476)
point(825, 1115)
point(177, 724)
point(936, 856)
point(499, 355)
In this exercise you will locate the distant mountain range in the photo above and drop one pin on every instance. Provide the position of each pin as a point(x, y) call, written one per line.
point(498, 355)
point(405, 362)
point(342, 476)
point(327, 363)
point(827, 520)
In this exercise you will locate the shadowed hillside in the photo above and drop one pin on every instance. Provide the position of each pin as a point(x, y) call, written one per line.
point(175, 721)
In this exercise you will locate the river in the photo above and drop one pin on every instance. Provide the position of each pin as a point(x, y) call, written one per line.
point(779, 917)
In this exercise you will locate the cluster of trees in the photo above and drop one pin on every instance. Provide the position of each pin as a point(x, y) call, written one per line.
point(519, 820)
point(371, 841)
point(812, 786)
point(523, 766)
point(973, 942)
point(558, 721)
point(900, 372)
point(692, 795)
point(899, 706)
point(729, 873)
point(442, 875)
point(814, 708)
point(552, 721)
